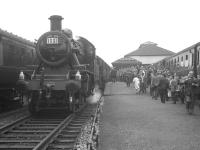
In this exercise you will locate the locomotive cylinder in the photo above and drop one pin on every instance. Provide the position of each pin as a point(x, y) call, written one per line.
point(56, 23)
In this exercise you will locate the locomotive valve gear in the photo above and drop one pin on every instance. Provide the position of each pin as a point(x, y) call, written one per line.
point(68, 32)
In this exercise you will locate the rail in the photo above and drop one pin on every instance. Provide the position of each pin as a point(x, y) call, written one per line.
point(93, 128)
point(44, 143)
point(48, 139)
point(14, 123)
point(12, 112)
point(90, 125)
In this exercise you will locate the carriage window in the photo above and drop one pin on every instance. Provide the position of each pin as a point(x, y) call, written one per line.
point(32, 54)
point(22, 57)
point(10, 55)
point(192, 59)
point(186, 57)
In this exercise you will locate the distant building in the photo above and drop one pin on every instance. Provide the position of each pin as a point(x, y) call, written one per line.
point(149, 53)
point(125, 63)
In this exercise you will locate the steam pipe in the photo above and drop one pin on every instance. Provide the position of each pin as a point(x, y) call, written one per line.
point(76, 59)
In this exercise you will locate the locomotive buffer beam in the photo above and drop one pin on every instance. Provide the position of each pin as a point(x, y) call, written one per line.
point(81, 66)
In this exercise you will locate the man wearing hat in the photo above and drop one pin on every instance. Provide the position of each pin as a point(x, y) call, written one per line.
point(190, 91)
point(163, 87)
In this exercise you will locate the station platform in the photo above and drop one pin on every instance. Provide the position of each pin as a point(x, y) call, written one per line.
point(137, 122)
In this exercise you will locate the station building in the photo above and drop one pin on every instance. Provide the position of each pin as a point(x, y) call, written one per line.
point(149, 53)
point(125, 62)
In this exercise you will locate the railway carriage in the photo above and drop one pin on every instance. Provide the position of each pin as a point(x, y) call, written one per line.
point(181, 64)
point(184, 61)
point(16, 54)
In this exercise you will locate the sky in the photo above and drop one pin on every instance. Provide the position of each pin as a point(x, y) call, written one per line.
point(115, 27)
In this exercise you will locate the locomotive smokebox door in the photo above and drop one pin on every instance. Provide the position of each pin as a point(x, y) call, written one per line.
point(53, 48)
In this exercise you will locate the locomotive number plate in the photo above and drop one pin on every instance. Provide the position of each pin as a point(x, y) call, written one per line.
point(52, 40)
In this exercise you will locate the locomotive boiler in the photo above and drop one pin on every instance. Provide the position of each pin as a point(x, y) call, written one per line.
point(64, 77)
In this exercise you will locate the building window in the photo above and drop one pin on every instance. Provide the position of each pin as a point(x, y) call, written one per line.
point(178, 59)
point(182, 58)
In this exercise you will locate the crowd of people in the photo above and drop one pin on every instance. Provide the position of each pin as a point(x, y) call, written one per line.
point(161, 83)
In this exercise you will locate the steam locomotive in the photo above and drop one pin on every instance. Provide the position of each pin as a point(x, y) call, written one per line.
point(67, 72)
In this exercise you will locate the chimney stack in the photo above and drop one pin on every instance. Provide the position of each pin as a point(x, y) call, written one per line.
point(56, 23)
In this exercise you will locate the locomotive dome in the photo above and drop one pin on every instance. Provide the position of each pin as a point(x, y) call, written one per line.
point(68, 32)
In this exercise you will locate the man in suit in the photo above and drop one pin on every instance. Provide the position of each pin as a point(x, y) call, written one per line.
point(154, 84)
point(173, 87)
point(163, 87)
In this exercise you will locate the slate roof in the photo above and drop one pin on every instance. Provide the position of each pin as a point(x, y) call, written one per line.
point(126, 60)
point(150, 49)
point(15, 37)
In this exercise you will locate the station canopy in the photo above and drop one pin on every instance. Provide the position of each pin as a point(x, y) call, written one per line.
point(125, 62)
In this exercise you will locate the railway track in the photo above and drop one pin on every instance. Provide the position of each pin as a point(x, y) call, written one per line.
point(12, 112)
point(44, 133)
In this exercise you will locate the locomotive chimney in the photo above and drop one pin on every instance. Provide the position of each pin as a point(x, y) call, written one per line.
point(56, 22)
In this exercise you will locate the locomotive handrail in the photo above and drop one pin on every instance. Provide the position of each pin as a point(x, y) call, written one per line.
point(49, 75)
point(82, 65)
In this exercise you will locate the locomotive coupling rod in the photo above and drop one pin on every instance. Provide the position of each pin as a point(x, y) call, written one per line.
point(80, 65)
